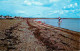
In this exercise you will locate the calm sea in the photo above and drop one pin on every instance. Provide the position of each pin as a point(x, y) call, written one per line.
point(71, 24)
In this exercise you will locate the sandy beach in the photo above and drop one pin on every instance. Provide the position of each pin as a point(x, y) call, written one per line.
point(29, 35)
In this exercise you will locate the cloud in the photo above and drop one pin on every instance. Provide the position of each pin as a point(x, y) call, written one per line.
point(37, 3)
point(20, 11)
point(32, 2)
point(70, 5)
point(58, 12)
point(27, 2)
point(64, 7)
point(76, 4)
point(53, 0)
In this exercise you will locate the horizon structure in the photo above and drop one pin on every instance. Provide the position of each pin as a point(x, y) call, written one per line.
point(41, 8)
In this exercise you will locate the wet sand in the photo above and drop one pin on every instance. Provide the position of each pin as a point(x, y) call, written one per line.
point(29, 35)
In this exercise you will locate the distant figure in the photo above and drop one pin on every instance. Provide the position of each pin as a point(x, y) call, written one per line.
point(59, 19)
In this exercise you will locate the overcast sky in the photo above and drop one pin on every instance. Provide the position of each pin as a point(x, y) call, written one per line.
point(41, 8)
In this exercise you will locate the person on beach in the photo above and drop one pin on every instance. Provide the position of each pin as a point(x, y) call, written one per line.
point(59, 22)
point(59, 19)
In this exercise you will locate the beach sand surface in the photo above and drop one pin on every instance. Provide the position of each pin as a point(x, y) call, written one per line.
point(29, 35)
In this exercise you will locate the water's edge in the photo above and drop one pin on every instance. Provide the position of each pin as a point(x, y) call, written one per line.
point(71, 24)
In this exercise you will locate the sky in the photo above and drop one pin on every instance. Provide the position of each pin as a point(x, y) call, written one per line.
point(41, 8)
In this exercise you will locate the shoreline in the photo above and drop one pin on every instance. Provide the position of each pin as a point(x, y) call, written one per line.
point(60, 32)
point(29, 35)
point(61, 27)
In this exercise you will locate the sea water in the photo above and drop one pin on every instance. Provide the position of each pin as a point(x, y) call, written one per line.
point(71, 24)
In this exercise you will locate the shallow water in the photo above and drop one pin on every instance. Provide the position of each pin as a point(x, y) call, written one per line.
point(71, 24)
